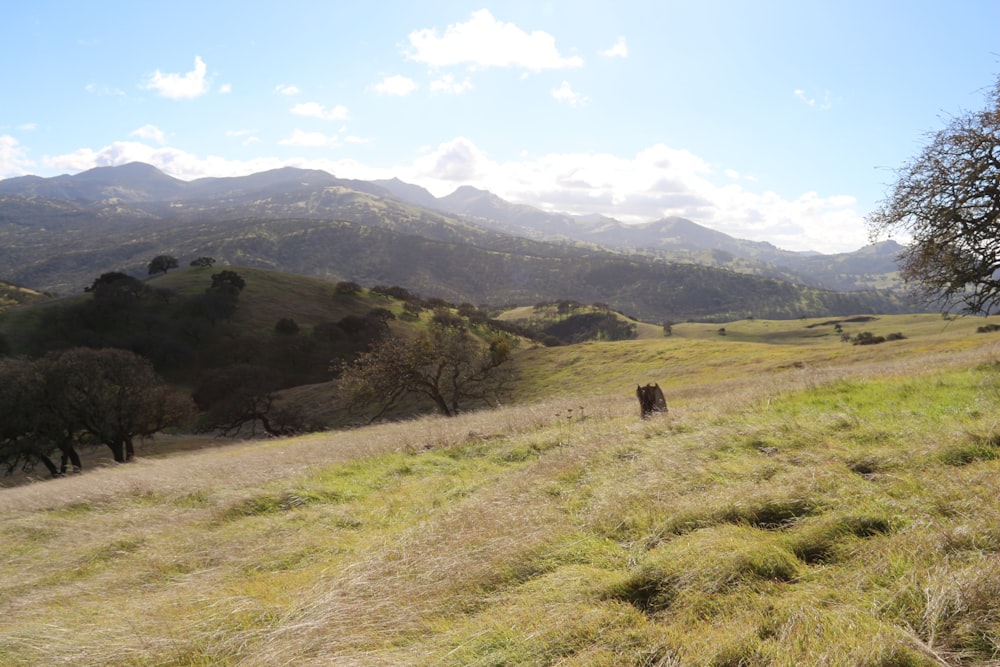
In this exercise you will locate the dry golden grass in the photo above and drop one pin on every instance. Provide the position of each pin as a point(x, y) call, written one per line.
point(804, 502)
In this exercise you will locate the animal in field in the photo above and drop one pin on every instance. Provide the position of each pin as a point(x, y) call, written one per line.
point(651, 400)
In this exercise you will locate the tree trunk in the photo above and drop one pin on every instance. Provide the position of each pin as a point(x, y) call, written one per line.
point(442, 404)
point(47, 462)
point(117, 451)
point(70, 456)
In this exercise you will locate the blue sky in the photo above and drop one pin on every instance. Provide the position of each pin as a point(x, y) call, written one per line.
point(770, 120)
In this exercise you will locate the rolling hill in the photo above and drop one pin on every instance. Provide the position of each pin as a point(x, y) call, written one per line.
point(804, 502)
point(58, 234)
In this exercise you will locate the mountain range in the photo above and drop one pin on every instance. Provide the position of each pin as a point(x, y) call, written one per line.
point(58, 233)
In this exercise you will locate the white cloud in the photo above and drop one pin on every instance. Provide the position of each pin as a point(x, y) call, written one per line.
point(619, 50)
point(823, 103)
point(458, 161)
point(173, 161)
point(181, 86)
point(447, 84)
point(250, 136)
point(28, 127)
point(397, 86)
point(311, 139)
point(150, 132)
point(655, 183)
point(483, 41)
point(226, 88)
point(95, 89)
point(317, 110)
point(12, 158)
point(286, 89)
point(564, 93)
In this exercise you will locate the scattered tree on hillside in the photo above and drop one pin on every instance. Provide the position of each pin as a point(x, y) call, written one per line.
point(948, 201)
point(115, 282)
point(347, 288)
point(162, 264)
point(81, 396)
point(21, 446)
point(203, 261)
point(240, 399)
point(445, 364)
point(396, 292)
point(228, 281)
point(116, 298)
point(114, 396)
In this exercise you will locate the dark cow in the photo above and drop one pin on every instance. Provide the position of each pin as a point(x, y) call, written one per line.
point(651, 400)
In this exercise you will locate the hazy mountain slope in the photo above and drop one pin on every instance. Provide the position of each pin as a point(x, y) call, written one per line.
point(679, 239)
point(310, 222)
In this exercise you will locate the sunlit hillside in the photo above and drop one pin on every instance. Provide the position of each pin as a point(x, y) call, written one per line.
point(805, 501)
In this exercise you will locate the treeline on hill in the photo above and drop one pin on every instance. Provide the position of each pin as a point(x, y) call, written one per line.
point(565, 322)
point(89, 370)
point(444, 261)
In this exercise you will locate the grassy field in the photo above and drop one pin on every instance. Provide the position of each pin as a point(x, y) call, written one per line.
point(804, 502)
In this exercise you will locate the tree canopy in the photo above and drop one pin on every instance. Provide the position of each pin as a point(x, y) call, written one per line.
point(162, 264)
point(947, 200)
point(81, 396)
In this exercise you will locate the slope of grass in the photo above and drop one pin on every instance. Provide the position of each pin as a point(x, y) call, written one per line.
point(804, 502)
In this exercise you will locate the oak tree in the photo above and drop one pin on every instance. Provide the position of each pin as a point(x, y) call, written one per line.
point(947, 201)
point(446, 364)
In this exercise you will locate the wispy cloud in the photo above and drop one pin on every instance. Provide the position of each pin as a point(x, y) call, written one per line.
point(311, 139)
point(286, 89)
point(151, 133)
point(181, 86)
point(396, 86)
point(317, 110)
point(448, 84)
point(250, 136)
point(823, 103)
point(483, 41)
point(98, 89)
point(619, 50)
point(565, 93)
point(13, 161)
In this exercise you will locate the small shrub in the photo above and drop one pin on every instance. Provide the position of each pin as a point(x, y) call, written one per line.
point(867, 338)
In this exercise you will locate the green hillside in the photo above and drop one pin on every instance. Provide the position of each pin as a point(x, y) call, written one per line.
point(805, 501)
point(14, 295)
point(169, 325)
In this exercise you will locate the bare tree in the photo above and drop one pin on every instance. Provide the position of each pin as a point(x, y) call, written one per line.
point(446, 364)
point(239, 399)
point(947, 200)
